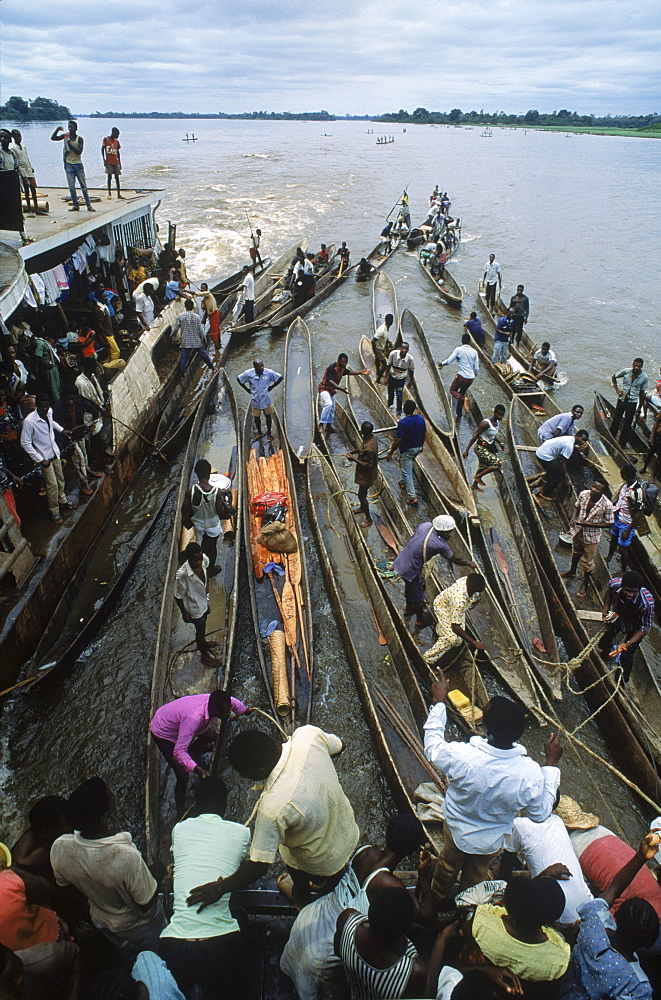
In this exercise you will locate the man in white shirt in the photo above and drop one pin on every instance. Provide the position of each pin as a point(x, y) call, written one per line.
point(302, 814)
point(492, 277)
point(144, 306)
point(381, 343)
point(468, 367)
point(490, 781)
point(399, 370)
point(205, 948)
point(191, 592)
point(248, 284)
point(553, 456)
point(38, 441)
point(544, 361)
point(25, 169)
point(543, 846)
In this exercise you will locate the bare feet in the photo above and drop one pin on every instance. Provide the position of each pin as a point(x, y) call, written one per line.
point(356, 510)
point(568, 575)
point(581, 592)
point(366, 524)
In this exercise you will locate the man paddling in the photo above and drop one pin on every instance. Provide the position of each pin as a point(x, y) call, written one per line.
point(592, 512)
point(429, 539)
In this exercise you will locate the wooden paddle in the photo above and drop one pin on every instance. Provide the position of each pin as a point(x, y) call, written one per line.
point(387, 535)
point(382, 639)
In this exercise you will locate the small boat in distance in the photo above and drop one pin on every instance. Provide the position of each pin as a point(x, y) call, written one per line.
point(189, 138)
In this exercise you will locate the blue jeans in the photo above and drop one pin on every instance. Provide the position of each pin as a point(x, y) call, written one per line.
point(500, 351)
point(73, 171)
point(187, 352)
point(396, 389)
point(406, 460)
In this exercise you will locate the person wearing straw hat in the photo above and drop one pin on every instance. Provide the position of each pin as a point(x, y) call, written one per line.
point(428, 540)
point(490, 780)
point(206, 505)
point(601, 855)
point(547, 850)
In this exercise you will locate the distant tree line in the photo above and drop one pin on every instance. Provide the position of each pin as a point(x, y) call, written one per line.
point(42, 109)
point(557, 118)
point(303, 116)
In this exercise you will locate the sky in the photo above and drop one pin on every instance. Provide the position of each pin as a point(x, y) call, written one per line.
point(344, 56)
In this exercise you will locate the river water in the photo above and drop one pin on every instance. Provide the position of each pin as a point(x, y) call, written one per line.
point(574, 217)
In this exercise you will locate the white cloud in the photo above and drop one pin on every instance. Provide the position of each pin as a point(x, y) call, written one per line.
point(349, 56)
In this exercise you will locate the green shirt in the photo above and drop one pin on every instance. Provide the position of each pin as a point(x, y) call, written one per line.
point(205, 848)
point(631, 387)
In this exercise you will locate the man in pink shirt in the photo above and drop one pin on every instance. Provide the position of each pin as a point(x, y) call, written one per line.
point(179, 730)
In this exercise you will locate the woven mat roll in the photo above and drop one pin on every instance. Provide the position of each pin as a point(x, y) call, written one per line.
point(278, 649)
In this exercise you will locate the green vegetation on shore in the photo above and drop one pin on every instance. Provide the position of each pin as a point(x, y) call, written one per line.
point(564, 120)
point(42, 109)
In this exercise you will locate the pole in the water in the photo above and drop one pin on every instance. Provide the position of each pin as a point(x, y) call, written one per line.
point(398, 200)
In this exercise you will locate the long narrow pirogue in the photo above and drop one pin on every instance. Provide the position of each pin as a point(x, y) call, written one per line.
point(392, 701)
point(178, 670)
point(384, 302)
point(445, 283)
point(278, 595)
point(487, 619)
point(267, 283)
point(631, 717)
point(377, 257)
point(299, 396)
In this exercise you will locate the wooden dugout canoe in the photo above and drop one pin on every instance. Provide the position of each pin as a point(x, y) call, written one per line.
point(638, 444)
point(267, 284)
point(328, 281)
point(232, 282)
point(431, 395)
point(631, 721)
point(377, 257)
point(384, 302)
point(298, 399)
point(487, 619)
point(379, 662)
point(215, 436)
point(268, 467)
point(439, 462)
point(445, 284)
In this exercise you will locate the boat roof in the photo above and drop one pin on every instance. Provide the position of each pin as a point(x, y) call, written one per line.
point(62, 227)
point(13, 279)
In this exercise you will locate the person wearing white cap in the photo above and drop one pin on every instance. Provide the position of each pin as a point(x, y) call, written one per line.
point(207, 504)
point(429, 539)
point(450, 607)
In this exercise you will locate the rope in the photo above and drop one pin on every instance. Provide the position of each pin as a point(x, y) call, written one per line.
point(270, 718)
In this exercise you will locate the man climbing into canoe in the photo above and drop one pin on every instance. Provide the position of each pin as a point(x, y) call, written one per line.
point(484, 442)
point(429, 539)
point(468, 367)
point(592, 512)
point(258, 381)
point(450, 607)
point(329, 387)
point(628, 609)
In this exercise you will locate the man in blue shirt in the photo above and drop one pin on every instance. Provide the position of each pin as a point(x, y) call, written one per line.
point(409, 438)
point(474, 327)
point(258, 382)
point(501, 338)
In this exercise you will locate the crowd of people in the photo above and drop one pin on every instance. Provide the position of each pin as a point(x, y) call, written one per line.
point(528, 895)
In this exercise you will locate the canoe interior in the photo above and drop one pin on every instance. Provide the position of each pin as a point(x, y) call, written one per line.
point(487, 619)
point(331, 279)
point(431, 395)
point(382, 672)
point(384, 301)
point(377, 257)
point(298, 402)
point(177, 670)
point(445, 284)
point(268, 467)
point(267, 284)
point(640, 703)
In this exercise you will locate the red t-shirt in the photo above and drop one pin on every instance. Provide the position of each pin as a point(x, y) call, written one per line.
point(112, 148)
point(23, 925)
point(604, 858)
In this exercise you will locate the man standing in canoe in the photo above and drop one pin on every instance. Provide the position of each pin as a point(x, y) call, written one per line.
point(258, 381)
point(408, 440)
point(382, 345)
point(592, 512)
point(450, 607)
point(553, 456)
point(501, 338)
point(628, 609)
point(399, 370)
point(209, 313)
point(520, 303)
point(631, 396)
point(205, 508)
point(627, 509)
point(484, 441)
point(428, 540)
point(256, 239)
point(248, 285)
point(191, 592)
point(491, 780)
point(492, 276)
point(192, 336)
point(468, 367)
point(366, 457)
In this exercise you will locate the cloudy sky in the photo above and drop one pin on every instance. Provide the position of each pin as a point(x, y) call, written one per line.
point(347, 56)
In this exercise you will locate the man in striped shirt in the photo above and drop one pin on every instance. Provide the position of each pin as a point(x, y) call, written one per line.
point(628, 608)
point(192, 336)
point(592, 512)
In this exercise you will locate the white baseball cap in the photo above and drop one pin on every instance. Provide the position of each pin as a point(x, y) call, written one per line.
point(444, 523)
